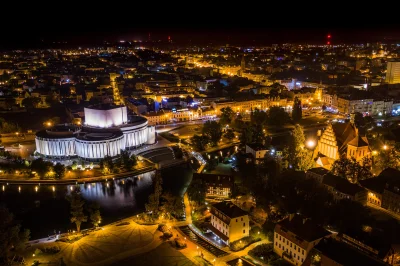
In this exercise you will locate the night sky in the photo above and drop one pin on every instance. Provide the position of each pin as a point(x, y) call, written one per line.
point(42, 34)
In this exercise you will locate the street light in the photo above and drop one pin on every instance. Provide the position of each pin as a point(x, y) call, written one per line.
point(311, 144)
point(385, 147)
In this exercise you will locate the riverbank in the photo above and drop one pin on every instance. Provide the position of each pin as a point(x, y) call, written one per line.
point(71, 181)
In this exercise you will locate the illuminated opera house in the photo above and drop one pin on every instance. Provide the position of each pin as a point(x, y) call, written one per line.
point(106, 132)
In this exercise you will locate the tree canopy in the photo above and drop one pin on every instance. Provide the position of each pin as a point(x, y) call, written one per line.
point(11, 235)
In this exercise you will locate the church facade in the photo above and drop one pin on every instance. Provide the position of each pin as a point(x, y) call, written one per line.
point(341, 140)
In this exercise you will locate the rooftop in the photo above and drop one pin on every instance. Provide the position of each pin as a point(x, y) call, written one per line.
point(319, 171)
point(344, 254)
point(229, 209)
point(302, 228)
point(341, 184)
point(224, 180)
point(104, 106)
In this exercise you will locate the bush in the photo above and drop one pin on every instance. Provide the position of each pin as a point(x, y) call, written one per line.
point(243, 243)
point(264, 252)
point(162, 228)
point(255, 235)
point(51, 250)
point(123, 223)
point(166, 235)
point(180, 243)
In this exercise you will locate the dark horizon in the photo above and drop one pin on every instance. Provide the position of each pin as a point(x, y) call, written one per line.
point(199, 35)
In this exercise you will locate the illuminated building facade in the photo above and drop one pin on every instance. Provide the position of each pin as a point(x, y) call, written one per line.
point(106, 132)
point(393, 72)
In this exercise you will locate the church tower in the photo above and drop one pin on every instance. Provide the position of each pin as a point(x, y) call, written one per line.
point(242, 64)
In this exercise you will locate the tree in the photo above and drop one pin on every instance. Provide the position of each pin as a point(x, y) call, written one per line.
point(11, 236)
point(31, 102)
point(297, 110)
point(172, 205)
point(212, 130)
point(59, 170)
point(277, 116)
point(388, 159)
point(154, 199)
point(226, 116)
point(230, 134)
point(352, 170)
point(41, 167)
point(258, 117)
point(127, 160)
point(238, 123)
point(197, 191)
point(349, 215)
point(199, 142)
point(94, 214)
point(300, 157)
point(107, 165)
point(9, 102)
point(76, 206)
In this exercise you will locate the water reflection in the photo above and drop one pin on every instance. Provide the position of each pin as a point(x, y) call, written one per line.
point(44, 208)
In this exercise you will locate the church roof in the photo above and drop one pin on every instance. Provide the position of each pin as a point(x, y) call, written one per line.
point(359, 142)
point(344, 133)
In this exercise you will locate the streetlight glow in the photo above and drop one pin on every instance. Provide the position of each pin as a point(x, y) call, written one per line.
point(310, 143)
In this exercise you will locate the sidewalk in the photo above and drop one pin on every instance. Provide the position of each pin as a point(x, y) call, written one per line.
point(75, 180)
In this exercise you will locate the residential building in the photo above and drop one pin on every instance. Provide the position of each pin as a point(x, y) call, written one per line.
point(317, 173)
point(295, 237)
point(257, 150)
point(376, 187)
point(393, 72)
point(217, 186)
point(366, 106)
point(332, 252)
point(341, 188)
point(229, 222)
point(247, 106)
point(371, 242)
point(391, 196)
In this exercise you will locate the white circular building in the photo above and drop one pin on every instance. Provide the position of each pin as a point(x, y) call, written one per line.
point(106, 132)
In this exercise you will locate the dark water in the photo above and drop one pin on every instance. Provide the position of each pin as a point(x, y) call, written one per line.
point(45, 210)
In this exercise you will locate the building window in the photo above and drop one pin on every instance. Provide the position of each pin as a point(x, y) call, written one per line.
point(236, 220)
point(302, 252)
point(276, 235)
point(244, 231)
point(290, 244)
point(244, 224)
point(276, 243)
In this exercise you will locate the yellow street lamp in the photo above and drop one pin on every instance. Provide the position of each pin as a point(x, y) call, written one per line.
point(311, 144)
point(385, 147)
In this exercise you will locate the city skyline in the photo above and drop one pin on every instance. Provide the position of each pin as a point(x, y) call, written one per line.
point(192, 34)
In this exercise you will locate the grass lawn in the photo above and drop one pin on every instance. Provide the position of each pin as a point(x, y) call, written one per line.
point(163, 255)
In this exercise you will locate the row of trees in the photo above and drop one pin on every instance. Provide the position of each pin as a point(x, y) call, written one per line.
point(108, 165)
point(8, 127)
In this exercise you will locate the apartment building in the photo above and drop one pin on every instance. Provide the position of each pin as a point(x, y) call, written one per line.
point(229, 222)
point(217, 186)
point(295, 237)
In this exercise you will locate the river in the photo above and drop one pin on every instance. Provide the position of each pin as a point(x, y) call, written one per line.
point(43, 209)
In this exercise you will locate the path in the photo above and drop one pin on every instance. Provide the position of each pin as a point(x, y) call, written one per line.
point(80, 180)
